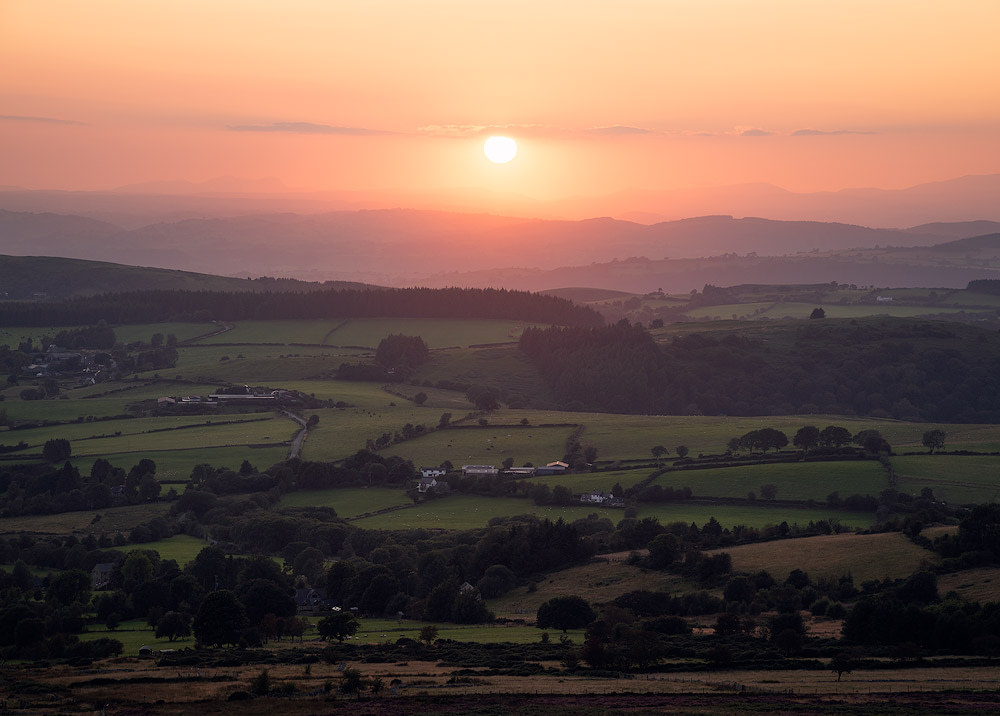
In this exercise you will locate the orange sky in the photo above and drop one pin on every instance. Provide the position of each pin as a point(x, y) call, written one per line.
point(601, 96)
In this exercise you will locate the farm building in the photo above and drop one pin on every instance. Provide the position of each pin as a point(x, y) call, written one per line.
point(312, 600)
point(523, 471)
point(553, 468)
point(479, 470)
point(426, 483)
point(432, 472)
point(100, 575)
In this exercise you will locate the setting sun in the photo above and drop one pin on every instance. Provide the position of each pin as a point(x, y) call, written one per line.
point(500, 150)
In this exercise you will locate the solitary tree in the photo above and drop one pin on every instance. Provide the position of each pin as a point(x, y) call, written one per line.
point(817, 313)
point(173, 625)
point(934, 439)
point(658, 452)
point(769, 491)
point(428, 634)
point(682, 451)
point(337, 626)
point(420, 398)
point(564, 613)
point(842, 663)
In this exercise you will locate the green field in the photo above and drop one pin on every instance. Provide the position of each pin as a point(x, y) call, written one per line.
point(168, 433)
point(348, 502)
point(180, 548)
point(962, 479)
point(134, 634)
point(257, 363)
point(468, 512)
point(588, 482)
point(436, 332)
point(795, 481)
point(485, 446)
point(368, 332)
point(797, 311)
point(283, 331)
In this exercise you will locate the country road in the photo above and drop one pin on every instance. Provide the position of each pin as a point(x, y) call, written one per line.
point(300, 436)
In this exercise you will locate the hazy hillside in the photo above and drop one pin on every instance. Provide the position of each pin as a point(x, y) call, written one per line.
point(48, 277)
point(401, 247)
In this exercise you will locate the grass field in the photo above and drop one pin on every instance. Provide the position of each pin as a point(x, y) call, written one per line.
point(485, 446)
point(758, 515)
point(374, 631)
point(348, 502)
point(436, 332)
point(980, 585)
point(795, 481)
point(588, 482)
point(180, 548)
point(834, 555)
point(467, 511)
point(107, 521)
point(134, 634)
point(793, 310)
point(283, 331)
point(597, 582)
point(368, 332)
point(961, 479)
point(257, 363)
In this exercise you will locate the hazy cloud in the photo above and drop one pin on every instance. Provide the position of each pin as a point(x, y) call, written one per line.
point(827, 132)
point(755, 133)
point(305, 128)
point(46, 120)
point(619, 130)
point(528, 130)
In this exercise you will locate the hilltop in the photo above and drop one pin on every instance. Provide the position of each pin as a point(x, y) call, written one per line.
point(47, 277)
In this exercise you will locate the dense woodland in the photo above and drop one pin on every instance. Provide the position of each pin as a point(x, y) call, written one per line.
point(158, 306)
point(887, 368)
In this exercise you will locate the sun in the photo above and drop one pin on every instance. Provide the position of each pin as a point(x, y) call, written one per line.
point(500, 150)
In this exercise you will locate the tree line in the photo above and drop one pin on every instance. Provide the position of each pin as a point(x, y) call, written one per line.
point(162, 306)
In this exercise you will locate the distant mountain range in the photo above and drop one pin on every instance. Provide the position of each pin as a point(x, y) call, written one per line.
point(406, 247)
point(960, 199)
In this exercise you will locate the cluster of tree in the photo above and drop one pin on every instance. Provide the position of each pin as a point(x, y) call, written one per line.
point(163, 306)
point(101, 337)
point(399, 352)
point(39, 489)
point(887, 368)
point(911, 612)
point(762, 440)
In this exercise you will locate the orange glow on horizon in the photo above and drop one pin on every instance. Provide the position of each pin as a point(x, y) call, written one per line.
point(390, 96)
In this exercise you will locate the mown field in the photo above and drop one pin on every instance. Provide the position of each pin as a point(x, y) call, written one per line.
point(835, 556)
point(598, 582)
point(180, 548)
point(106, 521)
